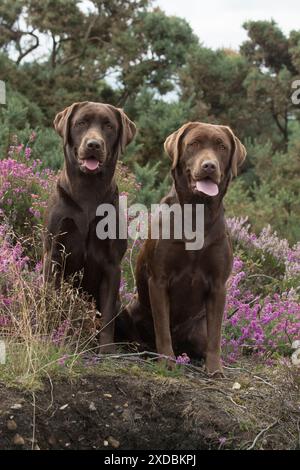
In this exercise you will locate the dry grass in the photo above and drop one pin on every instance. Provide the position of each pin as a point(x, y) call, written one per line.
point(53, 335)
point(47, 328)
point(263, 413)
point(48, 331)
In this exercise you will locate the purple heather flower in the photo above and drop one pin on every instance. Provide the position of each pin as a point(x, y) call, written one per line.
point(183, 359)
point(60, 333)
point(62, 360)
point(32, 136)
point(28, 152)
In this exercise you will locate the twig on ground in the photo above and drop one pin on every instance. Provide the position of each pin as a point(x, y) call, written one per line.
point(240, 406)
point(261, 433)
point(264, 381)
point(253, 375)
point(51, 393)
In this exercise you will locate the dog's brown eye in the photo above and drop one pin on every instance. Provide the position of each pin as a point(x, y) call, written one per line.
point(193, 145)
point(81, 123)
point(221, 144)
point(108, 125)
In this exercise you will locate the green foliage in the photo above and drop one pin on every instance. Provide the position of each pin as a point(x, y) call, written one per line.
point(273, 195)
point(267, 46)
point(138, 45)
point(48, 148)
point(158, 46)
point(17, 117)
point(151, 192)
point(17, 122)
point(131, 54)
point(127, 183)
point(134, 56)
point(155, 120)
point(214, 80)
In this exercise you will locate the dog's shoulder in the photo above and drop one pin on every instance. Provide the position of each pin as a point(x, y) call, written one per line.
point(170, 198)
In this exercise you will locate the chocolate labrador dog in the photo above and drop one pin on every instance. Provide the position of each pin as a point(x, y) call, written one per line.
point(181, 293)
point(94, 136)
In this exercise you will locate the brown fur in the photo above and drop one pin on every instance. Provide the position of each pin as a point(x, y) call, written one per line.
point(71, 245)
point(181, 294)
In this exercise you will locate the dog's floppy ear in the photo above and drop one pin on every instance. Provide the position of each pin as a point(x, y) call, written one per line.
point(239, 151)
point(128, 130)
point(61, 121)
point(172, 143)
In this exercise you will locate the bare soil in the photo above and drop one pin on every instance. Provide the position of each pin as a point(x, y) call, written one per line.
point(131, 408)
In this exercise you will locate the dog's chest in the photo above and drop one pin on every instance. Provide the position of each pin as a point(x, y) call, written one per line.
point(98, 250)
point(189, 271)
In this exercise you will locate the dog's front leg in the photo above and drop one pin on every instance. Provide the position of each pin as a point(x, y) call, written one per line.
point(63, 252)
point(108, 298)
point(160, 306)
point(214, 316)
point(53, 263)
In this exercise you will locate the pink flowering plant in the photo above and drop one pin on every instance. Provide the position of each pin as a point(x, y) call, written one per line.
point(268, 251)
point(42, 329)
point(24, 188)
point(12, 266)
point(262, 315)
point(263, 308)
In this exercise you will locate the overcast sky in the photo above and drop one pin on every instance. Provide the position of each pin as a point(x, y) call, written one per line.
point(218, 23)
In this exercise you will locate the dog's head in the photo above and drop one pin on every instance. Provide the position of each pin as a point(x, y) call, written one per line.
point(94, 134)
point(205, 157)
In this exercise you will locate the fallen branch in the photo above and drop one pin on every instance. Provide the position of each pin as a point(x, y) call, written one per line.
point(261, 433)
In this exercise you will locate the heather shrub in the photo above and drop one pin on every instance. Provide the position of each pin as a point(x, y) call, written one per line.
point(43, 329)
point(127, 183)
point(128, 284)
point(276, 260)
point(266, 326)
point(263, 301)
point(50, 329)
point(24, 190)
point(25, 186)
point(262, 315)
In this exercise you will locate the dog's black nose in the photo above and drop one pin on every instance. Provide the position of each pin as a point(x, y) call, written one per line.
point(93, 144)
point(209, 166)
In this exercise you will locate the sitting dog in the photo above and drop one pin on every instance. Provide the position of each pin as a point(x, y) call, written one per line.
point(94, 136)
point(181, 293)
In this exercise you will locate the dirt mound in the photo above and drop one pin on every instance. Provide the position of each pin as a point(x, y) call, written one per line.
point(133, 409)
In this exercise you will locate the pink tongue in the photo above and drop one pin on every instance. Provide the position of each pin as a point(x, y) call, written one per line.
point(207, 187)
point(91, 163)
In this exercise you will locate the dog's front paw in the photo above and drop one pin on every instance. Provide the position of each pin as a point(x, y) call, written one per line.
point(217, 374)
point(169, 361)
point(107, 349)
point(213, 366)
